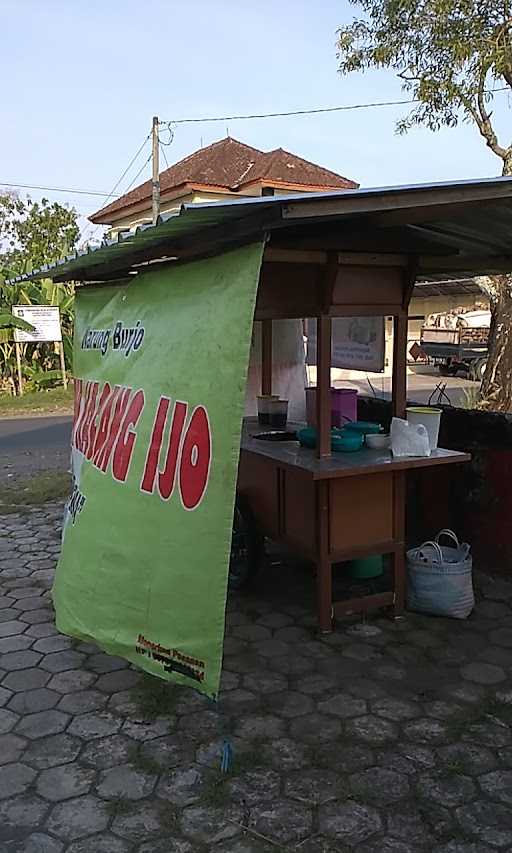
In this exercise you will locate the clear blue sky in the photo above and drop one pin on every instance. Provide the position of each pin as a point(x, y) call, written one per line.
point(82, 81)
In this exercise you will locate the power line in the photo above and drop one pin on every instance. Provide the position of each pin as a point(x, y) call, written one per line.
point(130, 164)
point(94, 228)
point(137, 175)
point(55, 189)
point(162, 149)
point(315, 111)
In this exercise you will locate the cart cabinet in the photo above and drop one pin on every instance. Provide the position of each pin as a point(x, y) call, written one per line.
point(332, 509)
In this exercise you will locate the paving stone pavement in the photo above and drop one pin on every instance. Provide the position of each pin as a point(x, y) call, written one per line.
point(384, 737)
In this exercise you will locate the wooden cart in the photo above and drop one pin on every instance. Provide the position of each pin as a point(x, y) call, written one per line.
point(332, 508)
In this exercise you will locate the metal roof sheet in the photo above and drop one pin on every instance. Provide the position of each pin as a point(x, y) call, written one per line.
point(462, 216)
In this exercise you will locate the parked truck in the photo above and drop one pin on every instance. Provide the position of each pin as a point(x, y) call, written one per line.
point(457, 340)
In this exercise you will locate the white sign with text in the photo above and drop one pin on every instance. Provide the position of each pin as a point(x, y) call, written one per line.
point(44, 318)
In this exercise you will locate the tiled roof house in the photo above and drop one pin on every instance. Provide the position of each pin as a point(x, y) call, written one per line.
point(227, 168)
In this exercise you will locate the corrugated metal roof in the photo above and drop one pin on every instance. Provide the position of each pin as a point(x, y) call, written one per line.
point(463, 217)
point(450, 287)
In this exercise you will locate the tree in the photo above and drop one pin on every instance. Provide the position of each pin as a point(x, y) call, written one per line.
point(33, 234)
point(38, 232)
point(451, 56)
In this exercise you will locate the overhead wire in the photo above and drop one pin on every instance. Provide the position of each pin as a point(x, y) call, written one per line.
point(314, 111)
point(93, 228)
point(55, 189)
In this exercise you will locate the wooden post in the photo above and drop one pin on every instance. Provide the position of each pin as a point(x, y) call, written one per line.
point(18, 366)
point(399, 364)
point(156, 170)
point(266, 357)
point(323, 563)
point(63, 365)
point(323, 385)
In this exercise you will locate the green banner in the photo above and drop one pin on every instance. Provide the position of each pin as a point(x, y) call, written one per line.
point(161, 367)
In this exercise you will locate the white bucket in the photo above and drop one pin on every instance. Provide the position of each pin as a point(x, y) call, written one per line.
point(431, 420)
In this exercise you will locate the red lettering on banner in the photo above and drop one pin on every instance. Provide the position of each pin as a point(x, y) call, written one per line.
point(89, 409)
point(115, 425)
point(126, 440)
point(167, 477)
point(93, 426)
point(155, 445)
point(105, 431)
point(104, 427)
point(80, 413)
point(77, 387)
point(195, 459)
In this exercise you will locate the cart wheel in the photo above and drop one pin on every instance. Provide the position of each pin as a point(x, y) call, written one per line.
point(247, 546)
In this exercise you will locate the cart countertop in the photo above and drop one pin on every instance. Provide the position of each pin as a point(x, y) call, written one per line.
point(362, 462)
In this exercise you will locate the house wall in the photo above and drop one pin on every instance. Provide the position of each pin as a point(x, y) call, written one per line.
point(143, 217)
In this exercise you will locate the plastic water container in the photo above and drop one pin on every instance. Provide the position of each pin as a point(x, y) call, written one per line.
point(343, 406)
point(431, 420)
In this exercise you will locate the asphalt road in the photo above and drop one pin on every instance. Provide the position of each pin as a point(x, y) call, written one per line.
point(33, 444)
point(423, 386)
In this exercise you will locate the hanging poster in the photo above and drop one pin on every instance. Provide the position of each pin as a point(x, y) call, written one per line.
point(358, 343)
point(161, 367)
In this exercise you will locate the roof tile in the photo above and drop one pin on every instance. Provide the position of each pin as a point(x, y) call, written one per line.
point(231, 165)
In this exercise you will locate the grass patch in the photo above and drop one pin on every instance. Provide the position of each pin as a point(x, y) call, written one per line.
point(143, 762)
point(119, 806)
point(42, 487)
point(154, 697)
point(38, 402)
point(167, 817)
point(249, 760)
point(455, 767)
point(216, 793)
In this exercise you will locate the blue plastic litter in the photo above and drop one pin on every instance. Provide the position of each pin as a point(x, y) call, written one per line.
point(226, 761)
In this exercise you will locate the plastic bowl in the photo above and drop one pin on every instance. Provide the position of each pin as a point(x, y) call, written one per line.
point(378, 442)
point(363, 427)
point(307, 437)
point(346, 442)
point(341, 441)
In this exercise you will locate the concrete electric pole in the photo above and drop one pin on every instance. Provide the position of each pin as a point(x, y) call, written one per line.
point(156, 171)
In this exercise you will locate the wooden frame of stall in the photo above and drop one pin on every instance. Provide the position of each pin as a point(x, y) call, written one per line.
point(338, 508)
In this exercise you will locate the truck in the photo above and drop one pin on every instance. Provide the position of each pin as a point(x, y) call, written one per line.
point(457, 340)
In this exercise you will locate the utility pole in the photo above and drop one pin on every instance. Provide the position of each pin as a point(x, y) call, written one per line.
point(156, 171)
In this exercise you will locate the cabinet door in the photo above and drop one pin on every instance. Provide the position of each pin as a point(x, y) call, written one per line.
point(360, 511)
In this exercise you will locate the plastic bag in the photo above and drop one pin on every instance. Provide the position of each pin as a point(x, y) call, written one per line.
point(409, 439)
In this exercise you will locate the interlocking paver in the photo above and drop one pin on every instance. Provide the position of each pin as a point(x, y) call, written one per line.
point(42, 724)
point(8, 720)
point(71, 680)
point(62, 661)
point(21, 813)
point(32, 701)
point(64, 782)
point(350, 822)
point(97, 724)
point(127, 782)
point(25, 679)
point(81, 701)
point(11, 748)
point(379, 738)
point(15, 779)
point(101, 842)
point(52, 750)
point(78, 817)
point(13, 661)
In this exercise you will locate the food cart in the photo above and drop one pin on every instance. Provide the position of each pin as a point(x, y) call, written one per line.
point(354, 253)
